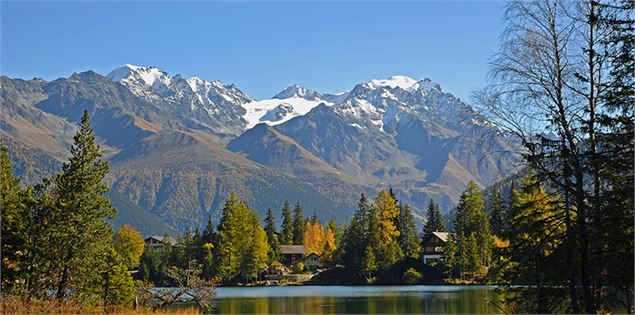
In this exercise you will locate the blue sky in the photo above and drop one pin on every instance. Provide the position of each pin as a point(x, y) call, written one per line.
point(262, 47)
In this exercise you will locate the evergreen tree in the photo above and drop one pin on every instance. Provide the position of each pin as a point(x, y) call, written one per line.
point(314, 219)
point(355, 237)
point(272, 238)
point(369, 262)
point(472, 228)
point(118, 286)
point(15, 222)
point(408, 239)
point(434, 220)
point(242, 248)
point(286, 233)
point(208, 232)
point(497, 216)
point(613, 229)
point(79, 234)
point(299, 224)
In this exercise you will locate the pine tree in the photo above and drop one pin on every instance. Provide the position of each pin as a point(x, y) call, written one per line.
point(79, 232)
point(299, 224)
point(15, 222)
point(408, 239)
point(286, 234)
point(272, 238)
point(434, 220)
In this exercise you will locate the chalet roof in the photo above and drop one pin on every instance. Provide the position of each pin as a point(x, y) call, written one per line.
point(292, 249)
point(162, 239)
point(442, 235)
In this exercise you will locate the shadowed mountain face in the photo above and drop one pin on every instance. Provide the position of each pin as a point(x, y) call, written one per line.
point(179, 146)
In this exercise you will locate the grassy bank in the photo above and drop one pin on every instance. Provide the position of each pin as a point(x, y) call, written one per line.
point(15, 305)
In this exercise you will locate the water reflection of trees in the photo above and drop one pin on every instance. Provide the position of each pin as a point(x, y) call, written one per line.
point(469, 301)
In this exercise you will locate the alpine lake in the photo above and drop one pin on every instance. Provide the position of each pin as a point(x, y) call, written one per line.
point(403, 299)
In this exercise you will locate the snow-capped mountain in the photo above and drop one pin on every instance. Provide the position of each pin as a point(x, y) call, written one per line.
point(179, 145)
point(292, 102)
point(211, 103)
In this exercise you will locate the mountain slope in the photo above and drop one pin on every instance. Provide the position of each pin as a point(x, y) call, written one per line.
point(178, 146)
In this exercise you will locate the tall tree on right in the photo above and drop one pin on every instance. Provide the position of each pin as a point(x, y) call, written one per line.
point(561, 84)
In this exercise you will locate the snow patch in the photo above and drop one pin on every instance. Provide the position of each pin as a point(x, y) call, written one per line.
point(277, 111)
point(403, 82)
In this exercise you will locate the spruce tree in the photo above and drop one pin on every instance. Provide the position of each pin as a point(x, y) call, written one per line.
point(208, 232)
point(79, 231)
point(355, 237)
point(471, 221)
point(497, 216)
point(408, 239)
point(299, 224)
point(434, 220)
point(314, 219)
point(286, 233)
point(272, 238)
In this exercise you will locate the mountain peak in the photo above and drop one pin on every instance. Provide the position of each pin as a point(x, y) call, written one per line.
point(148, 75)
point(296, 90)
point(400, 81)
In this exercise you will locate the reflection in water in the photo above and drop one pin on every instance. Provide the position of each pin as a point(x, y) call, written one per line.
point(349, 300)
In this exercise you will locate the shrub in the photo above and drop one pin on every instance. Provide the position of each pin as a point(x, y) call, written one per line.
point(412, 276)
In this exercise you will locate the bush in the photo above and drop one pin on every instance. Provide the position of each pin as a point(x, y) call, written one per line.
point(412, 276)
point(298, 268)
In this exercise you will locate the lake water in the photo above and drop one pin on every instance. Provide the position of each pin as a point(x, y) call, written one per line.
point(357, 300)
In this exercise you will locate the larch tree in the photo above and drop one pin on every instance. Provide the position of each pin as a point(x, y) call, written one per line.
point(129, 244)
